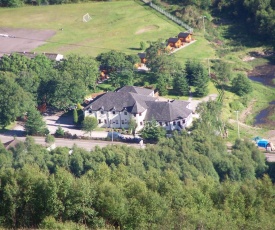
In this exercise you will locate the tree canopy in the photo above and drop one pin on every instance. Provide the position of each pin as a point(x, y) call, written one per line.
point(89, 124)
point(241, 85)
point(14, 101)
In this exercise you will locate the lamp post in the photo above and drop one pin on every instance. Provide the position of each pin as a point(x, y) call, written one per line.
point(112, 130)
point(203, 22)
point(238, 123)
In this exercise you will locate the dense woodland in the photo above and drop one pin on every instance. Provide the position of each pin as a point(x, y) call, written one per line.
point(189, 181)
point(257, 17)
point(28, 83)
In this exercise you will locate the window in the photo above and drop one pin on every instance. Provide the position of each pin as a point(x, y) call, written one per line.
point(99, 121)
point(122, 122)
point(139, 114)
point(116, 121)
point(166, 124)
point(125, 113)
point(174, 123)
point(114, 112)
point(134, 115)
point(160, 123)
point(183, 121)
point(102, 112)
point(179, 123)
point(90, 111)
point(105, 121)
point(140, 123)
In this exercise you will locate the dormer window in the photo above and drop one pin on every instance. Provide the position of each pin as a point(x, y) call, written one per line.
point(114, 112)
point(102, 112)
point(125, 113)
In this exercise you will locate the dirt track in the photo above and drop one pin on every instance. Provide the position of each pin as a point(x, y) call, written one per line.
point(22, 39)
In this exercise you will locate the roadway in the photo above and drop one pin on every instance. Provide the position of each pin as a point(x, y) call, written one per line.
point(270, 157)
point(62, 142)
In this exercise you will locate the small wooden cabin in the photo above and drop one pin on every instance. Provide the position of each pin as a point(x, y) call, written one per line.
point(185, 37)
point(142, 57)
point(103, 75)
point(174, 42)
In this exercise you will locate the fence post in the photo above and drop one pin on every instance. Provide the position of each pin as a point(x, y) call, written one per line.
point(170, 16)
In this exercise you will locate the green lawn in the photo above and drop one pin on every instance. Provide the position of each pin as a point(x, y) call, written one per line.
point(200, 50)
point(9, 127)
point(115, 25)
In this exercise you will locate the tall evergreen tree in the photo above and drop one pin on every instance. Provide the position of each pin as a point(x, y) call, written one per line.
point(181, 86)
point(35, 123)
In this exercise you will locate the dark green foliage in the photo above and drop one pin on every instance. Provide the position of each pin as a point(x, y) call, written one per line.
point(49, 139)
point(115, 61)
point(197, 76)
point(256, 15)
point(132, 125)
point(75, 116)
point(142, 45)
point(152, 132)
point(241, 85)
point(162, 84)
point(81, 68)
point(65, 90)
point(181, 86)
point(59, 84)
point(89, 124)
point(223, 72)
point(14, 101)
point(35, 125)
point(122, 78)
point(201, 84)
point(59, 132)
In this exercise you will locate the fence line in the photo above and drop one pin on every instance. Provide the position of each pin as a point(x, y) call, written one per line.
point(170, 16)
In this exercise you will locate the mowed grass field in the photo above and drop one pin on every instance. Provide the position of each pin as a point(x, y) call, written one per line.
point(117, 26)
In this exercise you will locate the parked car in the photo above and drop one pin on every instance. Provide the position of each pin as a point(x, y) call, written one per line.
point(115, 136)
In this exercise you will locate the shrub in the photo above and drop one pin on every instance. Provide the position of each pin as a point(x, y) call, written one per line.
point(49, 139)
point(59, 132)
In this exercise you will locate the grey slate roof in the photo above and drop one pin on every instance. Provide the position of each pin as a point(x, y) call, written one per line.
point(136, 103)
point(183, 35)
point(133, 89)
point(132, 102)
point(167, 111)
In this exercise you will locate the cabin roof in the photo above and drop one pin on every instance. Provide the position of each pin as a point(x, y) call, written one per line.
point(183, 34)
point(172, 40)
point(142, 55)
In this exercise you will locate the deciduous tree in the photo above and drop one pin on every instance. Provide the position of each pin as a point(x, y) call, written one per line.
point(152, 131)
point(89, 124)
point(14, 101)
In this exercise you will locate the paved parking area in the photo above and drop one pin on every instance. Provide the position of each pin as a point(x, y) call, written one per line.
point(66, 123)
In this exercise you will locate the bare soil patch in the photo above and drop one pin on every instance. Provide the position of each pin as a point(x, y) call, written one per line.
point(21, 40)
point(147, 28)
point(264, 74)
point(247, 111)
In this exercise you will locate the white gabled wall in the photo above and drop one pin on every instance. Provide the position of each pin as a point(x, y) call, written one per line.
point(139, 118)
point(119, 118)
